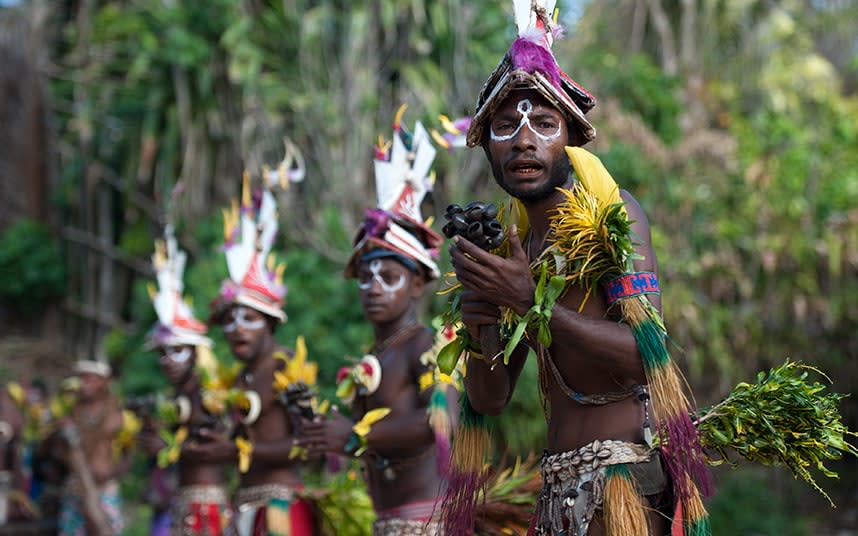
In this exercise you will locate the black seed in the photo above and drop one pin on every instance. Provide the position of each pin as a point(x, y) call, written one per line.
point(475, 231)
point(494, 228)
point(475, 214)
point(490, 212)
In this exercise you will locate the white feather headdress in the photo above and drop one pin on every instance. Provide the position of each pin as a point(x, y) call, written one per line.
point(402, 179)
point(176, 322)
point(255, 278)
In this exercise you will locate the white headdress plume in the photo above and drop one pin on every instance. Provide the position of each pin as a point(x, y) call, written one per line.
point(402, 169)
point(290, 169)
point(402, 179)
point(530, 14)
point(250, 230)
point(176, 323)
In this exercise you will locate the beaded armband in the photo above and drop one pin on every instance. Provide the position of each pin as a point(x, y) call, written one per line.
point(630, 285)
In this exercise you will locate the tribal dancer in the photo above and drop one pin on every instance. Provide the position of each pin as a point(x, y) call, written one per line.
point(248, 309)
point(622, 453)
point(402, 428)
point(200, 506)
point(91, 504)
point(14, 502)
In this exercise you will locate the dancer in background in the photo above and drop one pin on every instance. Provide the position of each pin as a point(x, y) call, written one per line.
point(248, 310)
point(389, 390)
point(91, 504)
point(200, 505)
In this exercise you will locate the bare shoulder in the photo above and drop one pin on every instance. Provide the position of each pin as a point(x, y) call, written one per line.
point(634, 209)
point(642, 237)
point(422, 342)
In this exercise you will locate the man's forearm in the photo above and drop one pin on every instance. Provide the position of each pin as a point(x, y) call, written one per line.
point(406, 431)
point(274, 451)
point(489, 383)
point(487, 389)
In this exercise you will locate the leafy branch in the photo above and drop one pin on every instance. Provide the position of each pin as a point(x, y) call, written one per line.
point(782, 419)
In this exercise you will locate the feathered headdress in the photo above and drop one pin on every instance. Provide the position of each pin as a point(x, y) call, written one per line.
point(530, 64)
point(176, 324)
point(255, 278)
point(402, 179)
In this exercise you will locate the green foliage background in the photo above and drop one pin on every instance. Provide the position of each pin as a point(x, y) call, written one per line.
point(745, 158)
point(32, 272)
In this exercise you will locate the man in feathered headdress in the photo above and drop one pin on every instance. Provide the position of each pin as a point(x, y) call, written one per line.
point(200, 505)
point(248, 309)
point(393, 260)
point(621, 451)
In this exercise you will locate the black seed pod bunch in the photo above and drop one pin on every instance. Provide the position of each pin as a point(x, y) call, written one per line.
point(476, 221)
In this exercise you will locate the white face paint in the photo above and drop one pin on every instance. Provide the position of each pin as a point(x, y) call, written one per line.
point(178, 355)
point(387, 286)
point(240, 318)
point(543, 132)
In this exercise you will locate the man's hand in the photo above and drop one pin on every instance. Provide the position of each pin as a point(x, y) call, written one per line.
point(210, 447)
point(477, 313)
point(328, 435)
point(505, 282)
point(150, 442)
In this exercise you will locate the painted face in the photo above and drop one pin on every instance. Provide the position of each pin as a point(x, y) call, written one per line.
point(546, 128)
point(386, 289)
point(176, 362)
point(389, 282)
point(244, 318)
point(246, 331)
point(527, 136)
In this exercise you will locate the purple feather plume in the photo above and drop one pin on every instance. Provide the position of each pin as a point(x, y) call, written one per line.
point(442, 453)
point(531, 57)
point(683, 455)
point(459, 509)
point(376, 222)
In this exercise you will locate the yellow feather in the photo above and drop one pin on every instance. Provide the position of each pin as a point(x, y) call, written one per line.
point(593, 175)
point(245, 189)
point(371, 417)
point(439, 139)
point(397, 120)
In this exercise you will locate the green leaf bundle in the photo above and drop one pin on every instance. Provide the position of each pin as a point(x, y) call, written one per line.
point(782, 419)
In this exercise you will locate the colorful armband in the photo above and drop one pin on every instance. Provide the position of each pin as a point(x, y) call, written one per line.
point(630, 285)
